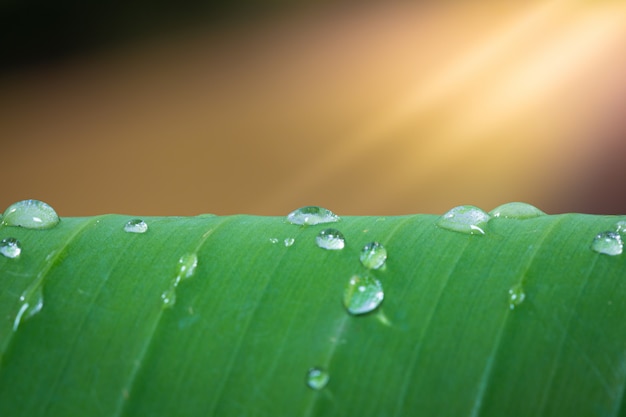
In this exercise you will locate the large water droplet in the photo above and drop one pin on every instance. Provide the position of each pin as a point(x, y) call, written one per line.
point(330, 239)
point(31, 303)
point(31, 214)
point(363, 294)
point(317, 378)
point(465, 219)
point(311, 215)
point(136, 226)
point(516, 210)
point(10, 247)
point(516, 296)
point(373, 255)
point(289, 241)
point(609, 243)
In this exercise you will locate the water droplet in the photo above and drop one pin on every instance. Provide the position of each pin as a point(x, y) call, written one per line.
point(609, 243)
point(186, 268)
point(330, 239)
point(373, 255)
point(311, 215)
point(317, 378)
point(516, 296)
point(169, 296)
point(31, 214)
point(362, 294)
point(273, 240)
point(620, 226)
point(10, 247)
point(187, 265)
point(31, 303)
point(289, 241)
point(516, 210)
point(136, 226)
point(465, 219)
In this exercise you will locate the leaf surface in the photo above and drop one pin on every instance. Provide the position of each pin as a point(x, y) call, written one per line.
point(259, 313)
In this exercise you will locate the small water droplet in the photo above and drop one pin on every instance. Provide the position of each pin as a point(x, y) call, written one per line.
point(289, 241)
point(620, 226)
point(136, 226)
point(363, 294)
point(465, 219)
point(273, 240)
point(317, 378)
point(516, 296)
point(30, 214)
point(330, 239)
point(311, 215)
point(169, 296)
point(10, 247)
point(516, 210)
point(609, 243)
point(186, 268)
point(373, 255)
point(31, 303)
point(187, 265)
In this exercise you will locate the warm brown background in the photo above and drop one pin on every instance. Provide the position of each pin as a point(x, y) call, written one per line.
point(385, 108)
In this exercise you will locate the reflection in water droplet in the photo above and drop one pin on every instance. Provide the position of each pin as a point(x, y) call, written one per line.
point(31, 303)
point(186, 268)
point(362, 294)
point(317, 378)
point(30, 214)
point(330, 239)
point(289, 241)
point(516, 296)
point(373, 255)
point(609, 243)
point(465, 219)
point(516, 210)
point(136, 226)
point(273, 240)
point(10, 247)
point(311, 215)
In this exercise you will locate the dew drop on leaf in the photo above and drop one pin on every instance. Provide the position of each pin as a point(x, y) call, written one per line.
point(273, 240)
point(516, 210)
point(311, 215)
point(362, 294)
point(136, 226)
point(373, 255)
point(330, 239)
point(187, 265)
point(609, 243)
point(317, 378)
point(465, 219)
point(186, 268)
point(516, 296)
point(620, 226)
point(31, 303)
point(169, 296)
point(30, 214)
point(10, 247)
point(289, 241)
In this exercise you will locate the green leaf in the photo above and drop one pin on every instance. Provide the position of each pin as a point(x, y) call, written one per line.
point(525, 320)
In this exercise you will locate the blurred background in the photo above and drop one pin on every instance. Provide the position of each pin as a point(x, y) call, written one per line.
point(364, 107)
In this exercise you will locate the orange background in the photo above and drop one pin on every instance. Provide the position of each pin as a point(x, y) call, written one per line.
point(388, 108)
